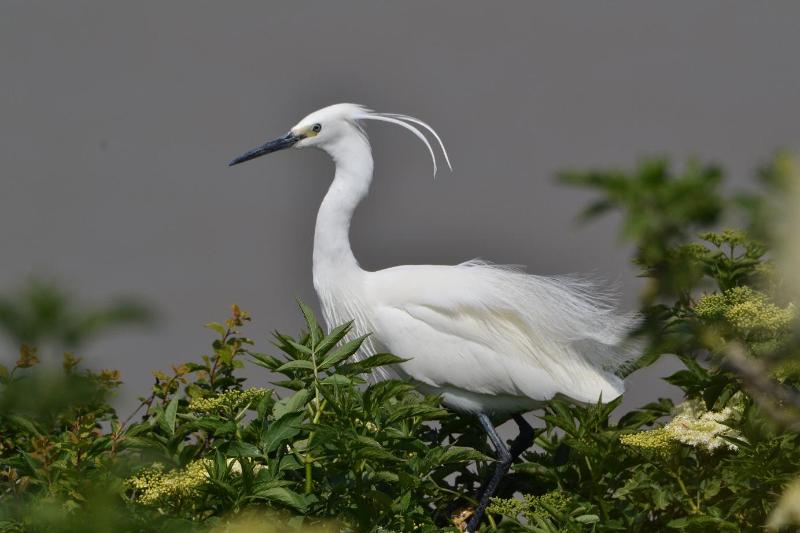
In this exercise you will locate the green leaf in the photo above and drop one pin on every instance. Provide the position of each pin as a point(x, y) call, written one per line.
point(285, 496)
point(289, 462)
point(380, 454)
point(460, 454)
point(291, 384)
point(167, 420)
point(264, 483)
point(296, 350)
point(534, 469)
point(217, 327)
point(23, 422)
point(403, 411)
point(292, 403)
point(301, 348)
point(267, 361)
point(741, 443)
point(280, 431)
point(240, 449)
point(401, 504)
point(685, 379)
point(385, 476)
point(380, 393)
point(678, 523)
point(373, 361)
point(337, 380)
point(296, 364)
point(313, 328)
point(342, 352)
point(333, 338)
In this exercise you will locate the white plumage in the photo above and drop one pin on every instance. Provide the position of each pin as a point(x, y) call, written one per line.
point(490, 339)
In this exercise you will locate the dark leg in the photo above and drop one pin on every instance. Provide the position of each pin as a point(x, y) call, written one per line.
point(525, 438)
point(504, 459)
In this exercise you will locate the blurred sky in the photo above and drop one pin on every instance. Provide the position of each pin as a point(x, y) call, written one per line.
point(117, 120)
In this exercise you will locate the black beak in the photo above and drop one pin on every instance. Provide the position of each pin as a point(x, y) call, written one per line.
point(289, 140)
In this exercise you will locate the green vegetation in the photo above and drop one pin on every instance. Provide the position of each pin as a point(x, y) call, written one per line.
point(327, 450)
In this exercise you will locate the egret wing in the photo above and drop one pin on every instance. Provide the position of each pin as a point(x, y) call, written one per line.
point(496, 330)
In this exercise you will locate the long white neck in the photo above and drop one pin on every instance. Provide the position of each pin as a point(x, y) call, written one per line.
point(333, 256)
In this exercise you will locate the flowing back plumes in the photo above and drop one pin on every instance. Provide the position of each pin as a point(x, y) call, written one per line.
point(485, 334)
point(574, 311)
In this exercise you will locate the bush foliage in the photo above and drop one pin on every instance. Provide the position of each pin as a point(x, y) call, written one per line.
point(326, 449)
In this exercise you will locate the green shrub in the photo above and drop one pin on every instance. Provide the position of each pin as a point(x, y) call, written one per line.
point(325, 449)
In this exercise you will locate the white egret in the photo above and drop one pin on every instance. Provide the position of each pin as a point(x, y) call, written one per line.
point(491, 340)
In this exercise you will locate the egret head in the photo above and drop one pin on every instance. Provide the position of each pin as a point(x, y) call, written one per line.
point(330, 125)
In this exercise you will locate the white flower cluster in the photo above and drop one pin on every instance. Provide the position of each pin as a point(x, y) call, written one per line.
point(695, 426)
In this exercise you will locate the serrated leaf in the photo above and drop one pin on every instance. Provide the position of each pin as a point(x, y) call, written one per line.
point(333, 338)
point(289, 462)
point(678, 523)
point(311, 321)
point(296, 364)
point(140, 443)
point(291, 384)
point(399, 412)
point(459, 454)
point(285, 496)
point(281, 431)
point(683, 378)
point(373, 361)
point(292, 403)
point(380, 454)
point(264, 484)
point(267, 361)
point(342, 352)
point(739, 443)
point(336, 379)
point(379, 393)
point(302, 348)
point(240, 449)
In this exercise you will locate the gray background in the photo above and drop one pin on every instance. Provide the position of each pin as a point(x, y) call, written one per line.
point(117, 120)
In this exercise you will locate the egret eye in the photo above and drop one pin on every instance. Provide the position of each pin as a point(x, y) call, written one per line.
point(316, 128)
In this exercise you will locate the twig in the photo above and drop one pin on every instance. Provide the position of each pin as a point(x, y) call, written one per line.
point(778, 401)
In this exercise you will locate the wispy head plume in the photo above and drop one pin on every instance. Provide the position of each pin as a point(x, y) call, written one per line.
point(407, 122)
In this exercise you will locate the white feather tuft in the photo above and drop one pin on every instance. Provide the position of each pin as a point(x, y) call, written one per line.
point(579, 310)
point(412, 129)
point(362, 113)
point(427, 127)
